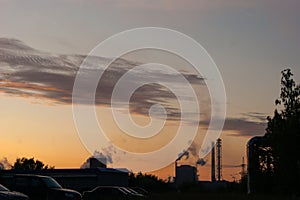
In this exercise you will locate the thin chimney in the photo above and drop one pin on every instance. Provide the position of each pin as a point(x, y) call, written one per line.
point(213, 167)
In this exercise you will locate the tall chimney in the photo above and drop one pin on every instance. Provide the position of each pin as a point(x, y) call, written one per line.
point(213, 167)
point(219, 159)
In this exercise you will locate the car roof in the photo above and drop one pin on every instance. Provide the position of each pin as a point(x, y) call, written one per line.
point(31, 175)
point(107, 187)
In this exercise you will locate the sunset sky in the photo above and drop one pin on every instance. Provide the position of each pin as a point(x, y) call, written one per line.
point(250, 42)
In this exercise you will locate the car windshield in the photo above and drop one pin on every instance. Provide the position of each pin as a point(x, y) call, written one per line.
point(2, 188)
point(51, 183)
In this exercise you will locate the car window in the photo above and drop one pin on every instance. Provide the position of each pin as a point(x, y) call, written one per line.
point(21, 182)
point(106, 191)
point(51, 183)
point(36, 183)
point(115, 191)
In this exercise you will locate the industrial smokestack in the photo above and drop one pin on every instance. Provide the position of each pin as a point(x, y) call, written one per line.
point(213, 167)
point(184, 153)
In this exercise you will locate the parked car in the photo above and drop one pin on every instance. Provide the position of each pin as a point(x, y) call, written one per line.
point(42, 188)
point(111, 193)
point(6, 194)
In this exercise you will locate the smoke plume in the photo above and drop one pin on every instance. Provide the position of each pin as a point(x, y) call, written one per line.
point(201, 162)
point(5, 164)
point(104, 156)
point(184, 153)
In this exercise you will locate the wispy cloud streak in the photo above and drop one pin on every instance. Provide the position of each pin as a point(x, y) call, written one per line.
point(28, 72)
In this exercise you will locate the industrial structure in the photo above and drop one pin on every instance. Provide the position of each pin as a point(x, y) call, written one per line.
point(258, 181)
point(213, 163)
point(186, 174)
point(219, 159)
point(216, 147)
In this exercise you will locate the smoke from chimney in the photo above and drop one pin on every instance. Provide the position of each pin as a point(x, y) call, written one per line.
point(193, 149)
point(201, 162)
point(4, 164)
point(184, 153)
point(104, 156)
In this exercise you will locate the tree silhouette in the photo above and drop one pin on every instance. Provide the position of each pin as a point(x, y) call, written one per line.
point(147, 181)
point(29, 164)
point(283, 133)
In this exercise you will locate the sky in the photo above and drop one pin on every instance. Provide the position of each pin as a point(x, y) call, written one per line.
point(250, 42)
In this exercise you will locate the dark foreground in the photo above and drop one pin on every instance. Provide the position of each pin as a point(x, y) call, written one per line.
point(227, 196)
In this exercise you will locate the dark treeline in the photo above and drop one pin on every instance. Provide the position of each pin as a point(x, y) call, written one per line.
point(29, 164)
point(147, 181)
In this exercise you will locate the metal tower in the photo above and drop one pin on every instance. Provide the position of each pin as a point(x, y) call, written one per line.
point(219, 159)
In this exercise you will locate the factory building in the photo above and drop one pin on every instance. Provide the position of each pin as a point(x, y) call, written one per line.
point(185, 174)
point(78, 179)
